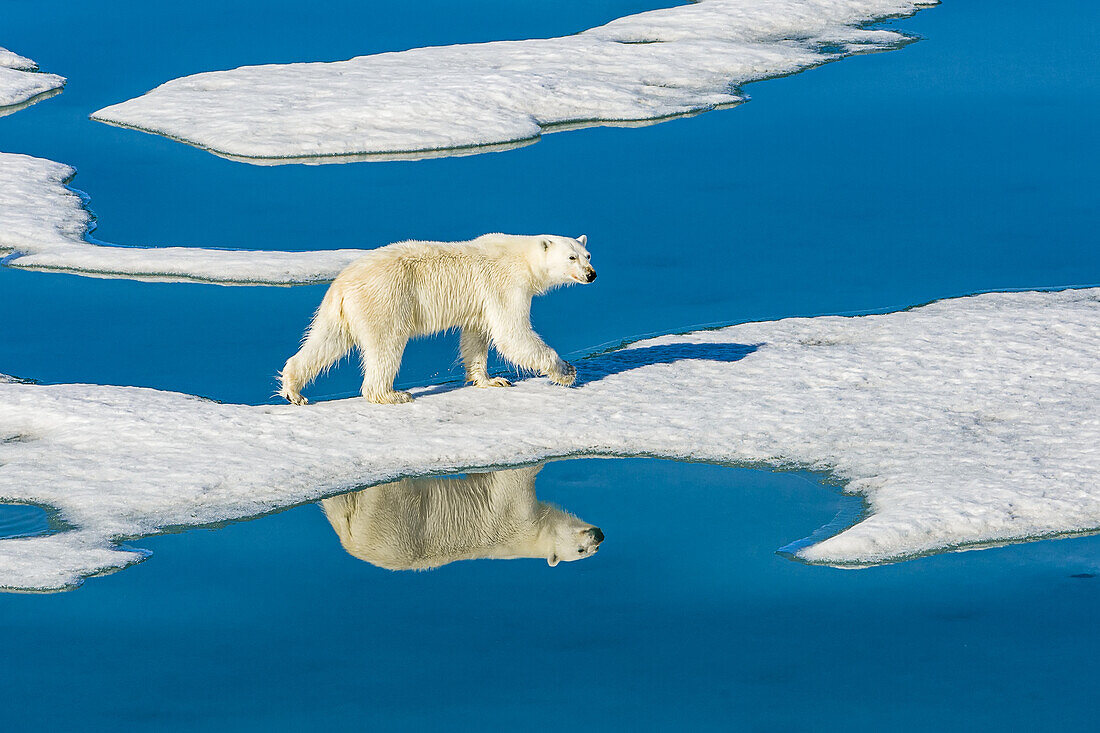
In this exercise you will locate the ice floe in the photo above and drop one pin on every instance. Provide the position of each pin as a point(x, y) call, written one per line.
point(44, 226)
point(439, 100)
point(966, 421)
point(12, 60)
point(21, 84)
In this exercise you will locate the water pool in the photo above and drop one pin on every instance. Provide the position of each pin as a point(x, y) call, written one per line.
point(958, 164)
point(685, 618)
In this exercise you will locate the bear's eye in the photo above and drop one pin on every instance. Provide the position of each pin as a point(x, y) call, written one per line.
point(573, 257)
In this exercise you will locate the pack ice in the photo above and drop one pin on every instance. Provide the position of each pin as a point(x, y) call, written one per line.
point(439, 100)
point(21, 84)
point(44, 225)
point(968, 421)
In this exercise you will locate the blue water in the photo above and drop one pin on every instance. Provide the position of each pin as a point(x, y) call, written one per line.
point(685, 619)
point(964, 162)
point(23, 520)
point(957, 164)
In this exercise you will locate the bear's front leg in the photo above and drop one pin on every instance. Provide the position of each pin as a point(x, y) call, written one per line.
point(563, 373)
point(510, 328)
point(474, 347)
point(528, 351)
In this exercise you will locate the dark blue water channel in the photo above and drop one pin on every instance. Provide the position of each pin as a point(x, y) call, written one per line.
point(964, 162)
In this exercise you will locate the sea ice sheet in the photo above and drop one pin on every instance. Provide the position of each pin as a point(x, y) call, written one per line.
point(43, 226)
point(21, 83)
point(12, 60)
point(643, 67)
point(967, 421)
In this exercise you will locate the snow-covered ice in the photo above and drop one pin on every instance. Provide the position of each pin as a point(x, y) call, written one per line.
point(43, 226)
point(12, 60)
point(21, 84)
point(967, 421)
point(644, 67)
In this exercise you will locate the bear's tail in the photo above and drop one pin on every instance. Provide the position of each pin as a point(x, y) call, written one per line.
point(326, 342)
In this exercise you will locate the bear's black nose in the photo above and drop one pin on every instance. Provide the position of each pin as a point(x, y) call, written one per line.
point(597, 534)
point(591, 275)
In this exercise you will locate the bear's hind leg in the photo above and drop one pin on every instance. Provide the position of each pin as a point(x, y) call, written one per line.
point(381, 361)
point(326, 343)
point(474, 347)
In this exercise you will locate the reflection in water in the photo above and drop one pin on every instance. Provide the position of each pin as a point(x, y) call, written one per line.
point(430, 153)
point(415, 524)
point(13, 108)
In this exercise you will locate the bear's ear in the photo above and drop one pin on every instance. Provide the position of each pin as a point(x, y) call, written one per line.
point(583, 239)
point(552, 560)
point(545, 244)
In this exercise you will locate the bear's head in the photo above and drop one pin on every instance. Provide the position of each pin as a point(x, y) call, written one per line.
point(566, 261)
point(564, 537)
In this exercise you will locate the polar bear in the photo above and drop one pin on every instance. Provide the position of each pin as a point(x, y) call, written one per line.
point(483, 287)
point(417, 524)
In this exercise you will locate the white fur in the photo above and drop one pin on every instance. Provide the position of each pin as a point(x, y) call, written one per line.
point(483, 287)
point(416, 524)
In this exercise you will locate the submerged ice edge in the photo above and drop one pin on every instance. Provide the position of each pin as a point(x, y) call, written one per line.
point(471, 98)
point(965, 422)
point(21, 84)
point(45, 225)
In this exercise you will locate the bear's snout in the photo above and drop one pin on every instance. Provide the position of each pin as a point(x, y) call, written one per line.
point(590, 276)
point(595, 532)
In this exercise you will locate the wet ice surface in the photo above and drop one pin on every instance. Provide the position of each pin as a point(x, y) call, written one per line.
point(648, 66)
point(20, 82)
point(43, 225)
point(966, 421)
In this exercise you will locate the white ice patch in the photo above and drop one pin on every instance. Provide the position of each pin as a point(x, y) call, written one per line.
point(968, 421)
point(12, 60)
point(43, 225)
point(644, 67)
point(21, 84)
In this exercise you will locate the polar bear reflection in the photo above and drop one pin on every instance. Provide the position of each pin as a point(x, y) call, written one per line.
point(416, 524)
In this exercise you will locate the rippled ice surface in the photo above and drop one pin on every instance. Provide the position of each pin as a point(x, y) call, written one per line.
point(957, 164)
